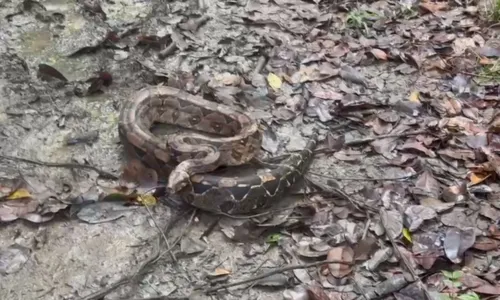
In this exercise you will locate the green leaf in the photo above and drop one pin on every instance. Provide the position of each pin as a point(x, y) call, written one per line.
point(457, 274)
point(444, 297)
point(273, 238)
point(447, 274)
point(448, 282)
point(469, 296)
point(457, 283)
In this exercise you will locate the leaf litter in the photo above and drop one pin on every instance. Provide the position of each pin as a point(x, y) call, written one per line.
point(405, 94)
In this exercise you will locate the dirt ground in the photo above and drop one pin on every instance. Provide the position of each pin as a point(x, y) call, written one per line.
point(59, 105)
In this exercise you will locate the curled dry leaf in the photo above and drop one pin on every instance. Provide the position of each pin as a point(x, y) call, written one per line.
point(433, 7)
point(418, 147)
point(379, 54)
point(344, 256)
point(48, 71)
point(486, 244)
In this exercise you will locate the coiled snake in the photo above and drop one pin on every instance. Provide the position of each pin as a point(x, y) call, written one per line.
point(237, 143)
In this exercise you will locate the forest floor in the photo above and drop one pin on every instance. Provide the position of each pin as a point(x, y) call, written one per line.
point(405, 199)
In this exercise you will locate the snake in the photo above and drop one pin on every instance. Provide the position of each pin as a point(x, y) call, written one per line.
point(232, 138)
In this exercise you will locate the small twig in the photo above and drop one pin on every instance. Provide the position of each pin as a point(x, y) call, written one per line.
point(210, 228)
point(167, 51)
point(252, 216)
point(140, 271)
point(179, 237)
point(61, 165)
point(270, 273)
point(371, 139)
point(160, 232)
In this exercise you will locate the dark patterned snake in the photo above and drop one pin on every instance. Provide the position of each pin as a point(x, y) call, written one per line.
point(237, 142)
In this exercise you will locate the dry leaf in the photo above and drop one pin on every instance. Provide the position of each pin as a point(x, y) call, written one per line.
point(379, 54)
point(414, 96)
point(433, 7)
point(19, 194)
point(345, 256)
point(274, 81)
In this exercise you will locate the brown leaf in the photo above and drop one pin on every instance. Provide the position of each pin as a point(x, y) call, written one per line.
point(419, 147)
point(492, 158)
point(486, 244)
point(433, 7)
point(316, 293)
point(428, 184)
point(456, 193)
point(345, 256)
point(462, 124)
point(20, 208)
point(488, 289)
point(381, 127)
point(136, 172)
point(379, 54)
point(460, 154)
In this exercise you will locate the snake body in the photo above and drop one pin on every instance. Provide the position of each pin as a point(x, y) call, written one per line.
point(188, 158)
point(238, 141)
point(241, 195)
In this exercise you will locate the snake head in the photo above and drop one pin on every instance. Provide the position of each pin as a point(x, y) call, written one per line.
point(177, 181)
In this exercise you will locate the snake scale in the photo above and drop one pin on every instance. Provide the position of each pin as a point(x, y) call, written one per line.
point(188, 158)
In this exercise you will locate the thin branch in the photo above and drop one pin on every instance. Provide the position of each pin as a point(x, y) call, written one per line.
point(142, 268)
point(160, 232)
point(61, 165)
point(270, 273)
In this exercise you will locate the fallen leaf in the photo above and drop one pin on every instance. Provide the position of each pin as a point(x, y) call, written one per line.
point(486, 244)
point(19, 194)
point(379, 54)
point(407, 234)
point(488, 289)
point(433, 7)
point(147, 200)
point(274, 81)
point(427, 184)
point(414, 96)
point(13, 258)
point(345, 256)
point(222, 271)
